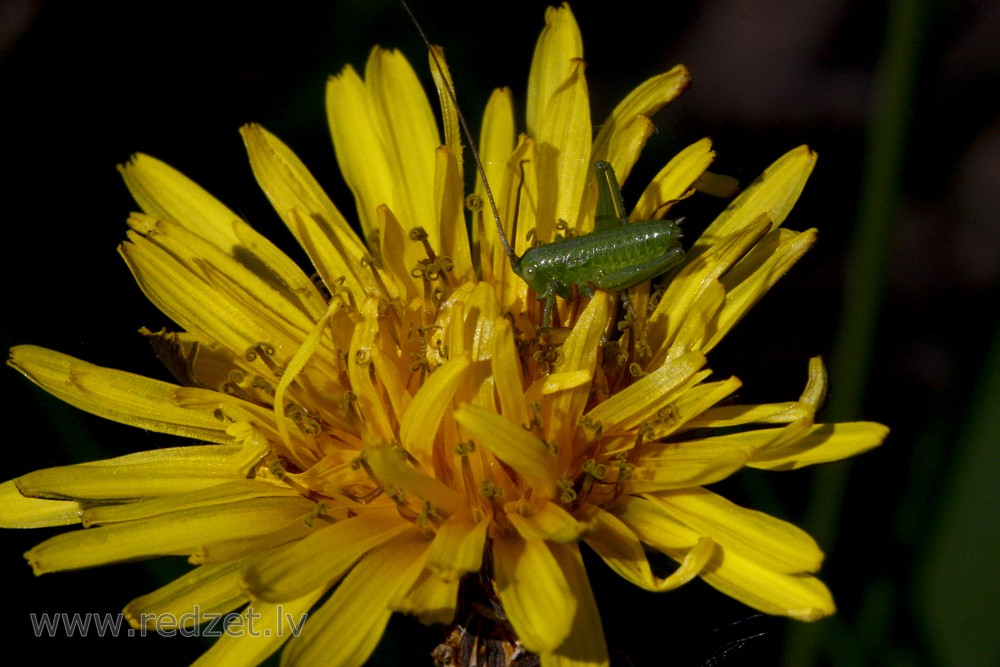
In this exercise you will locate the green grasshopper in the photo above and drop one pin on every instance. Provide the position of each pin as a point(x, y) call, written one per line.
point(615, 256)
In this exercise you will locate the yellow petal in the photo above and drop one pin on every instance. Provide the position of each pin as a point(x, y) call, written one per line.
point(799, 596)
point(299, 528)
point(369, 398)
point(496, 143)
point(640, 400)
point(190, 599)
point(736, 415)
point(389, 464)
point(815, 391)
point(513, 445)
point(695, 292)
point(773, 193)
point(550, 523)
point(116, 395)
point(652, 524)
point(822, 444)
point(167, 194)
point(430, 600)
point(409, 134)
point(419, 427)
point(233, 491)
point(769, 265)
point(507, 373)
point(706, 449)
point(320, 559)
point(775, 544)
point(179, 533)
point(18, 511)
point(585, 645)
point(449, 197)
point(619, 547)
point(458, 546)
point(534, 592)
point(684, 469)
point(335, 249)
point(259, 631)
point(346, 628)
point(188, 299)
point(648, 98)
point(563, 145)
point(392, 237)
point(622, 153)
point(358, 146)
point(268, 302)
point(395, 387)
point(159, 472)
point(446, 98)
point(557, 46)
point(675, 180)
point(579, 352)
point(691, 403)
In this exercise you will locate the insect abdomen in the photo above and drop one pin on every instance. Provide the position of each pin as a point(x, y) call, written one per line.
point(612, 259)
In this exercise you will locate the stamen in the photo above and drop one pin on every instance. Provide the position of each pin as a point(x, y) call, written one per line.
point(361, 492)
point(597, 470)
point(594, 428)
point(421, 360)
point(636, 370)
point(420, 234)
point(474, 202)
point(263, 385)
point(564, 230)
point(263, 350)
point(317, 513)
point(349, 399)
point(438, 295)
point(374, 262)
point(567, 494)
point(490, 491)
point(276, 467)
point(667, 416)
point(536, 417)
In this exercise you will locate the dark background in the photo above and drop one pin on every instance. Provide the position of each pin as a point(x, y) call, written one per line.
point(899, 296)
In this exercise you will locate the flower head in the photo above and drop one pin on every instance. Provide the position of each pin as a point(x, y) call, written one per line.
point(401, 426)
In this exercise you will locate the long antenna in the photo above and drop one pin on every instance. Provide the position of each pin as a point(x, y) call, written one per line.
point(511, 255)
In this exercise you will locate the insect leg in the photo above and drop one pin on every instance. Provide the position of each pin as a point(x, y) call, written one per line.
point(610, 210)
point(550, 299)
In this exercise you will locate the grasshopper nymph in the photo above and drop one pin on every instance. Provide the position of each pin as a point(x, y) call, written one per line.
point(615, 256)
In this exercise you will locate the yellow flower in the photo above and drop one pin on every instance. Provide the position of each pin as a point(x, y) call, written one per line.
point(402, 426)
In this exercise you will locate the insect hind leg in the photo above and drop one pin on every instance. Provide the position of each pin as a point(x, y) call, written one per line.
point(628, 276)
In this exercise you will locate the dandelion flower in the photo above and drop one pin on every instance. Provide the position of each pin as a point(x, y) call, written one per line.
point(401, 428)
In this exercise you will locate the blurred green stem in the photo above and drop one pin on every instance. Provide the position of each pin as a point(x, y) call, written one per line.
point(866, 273)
